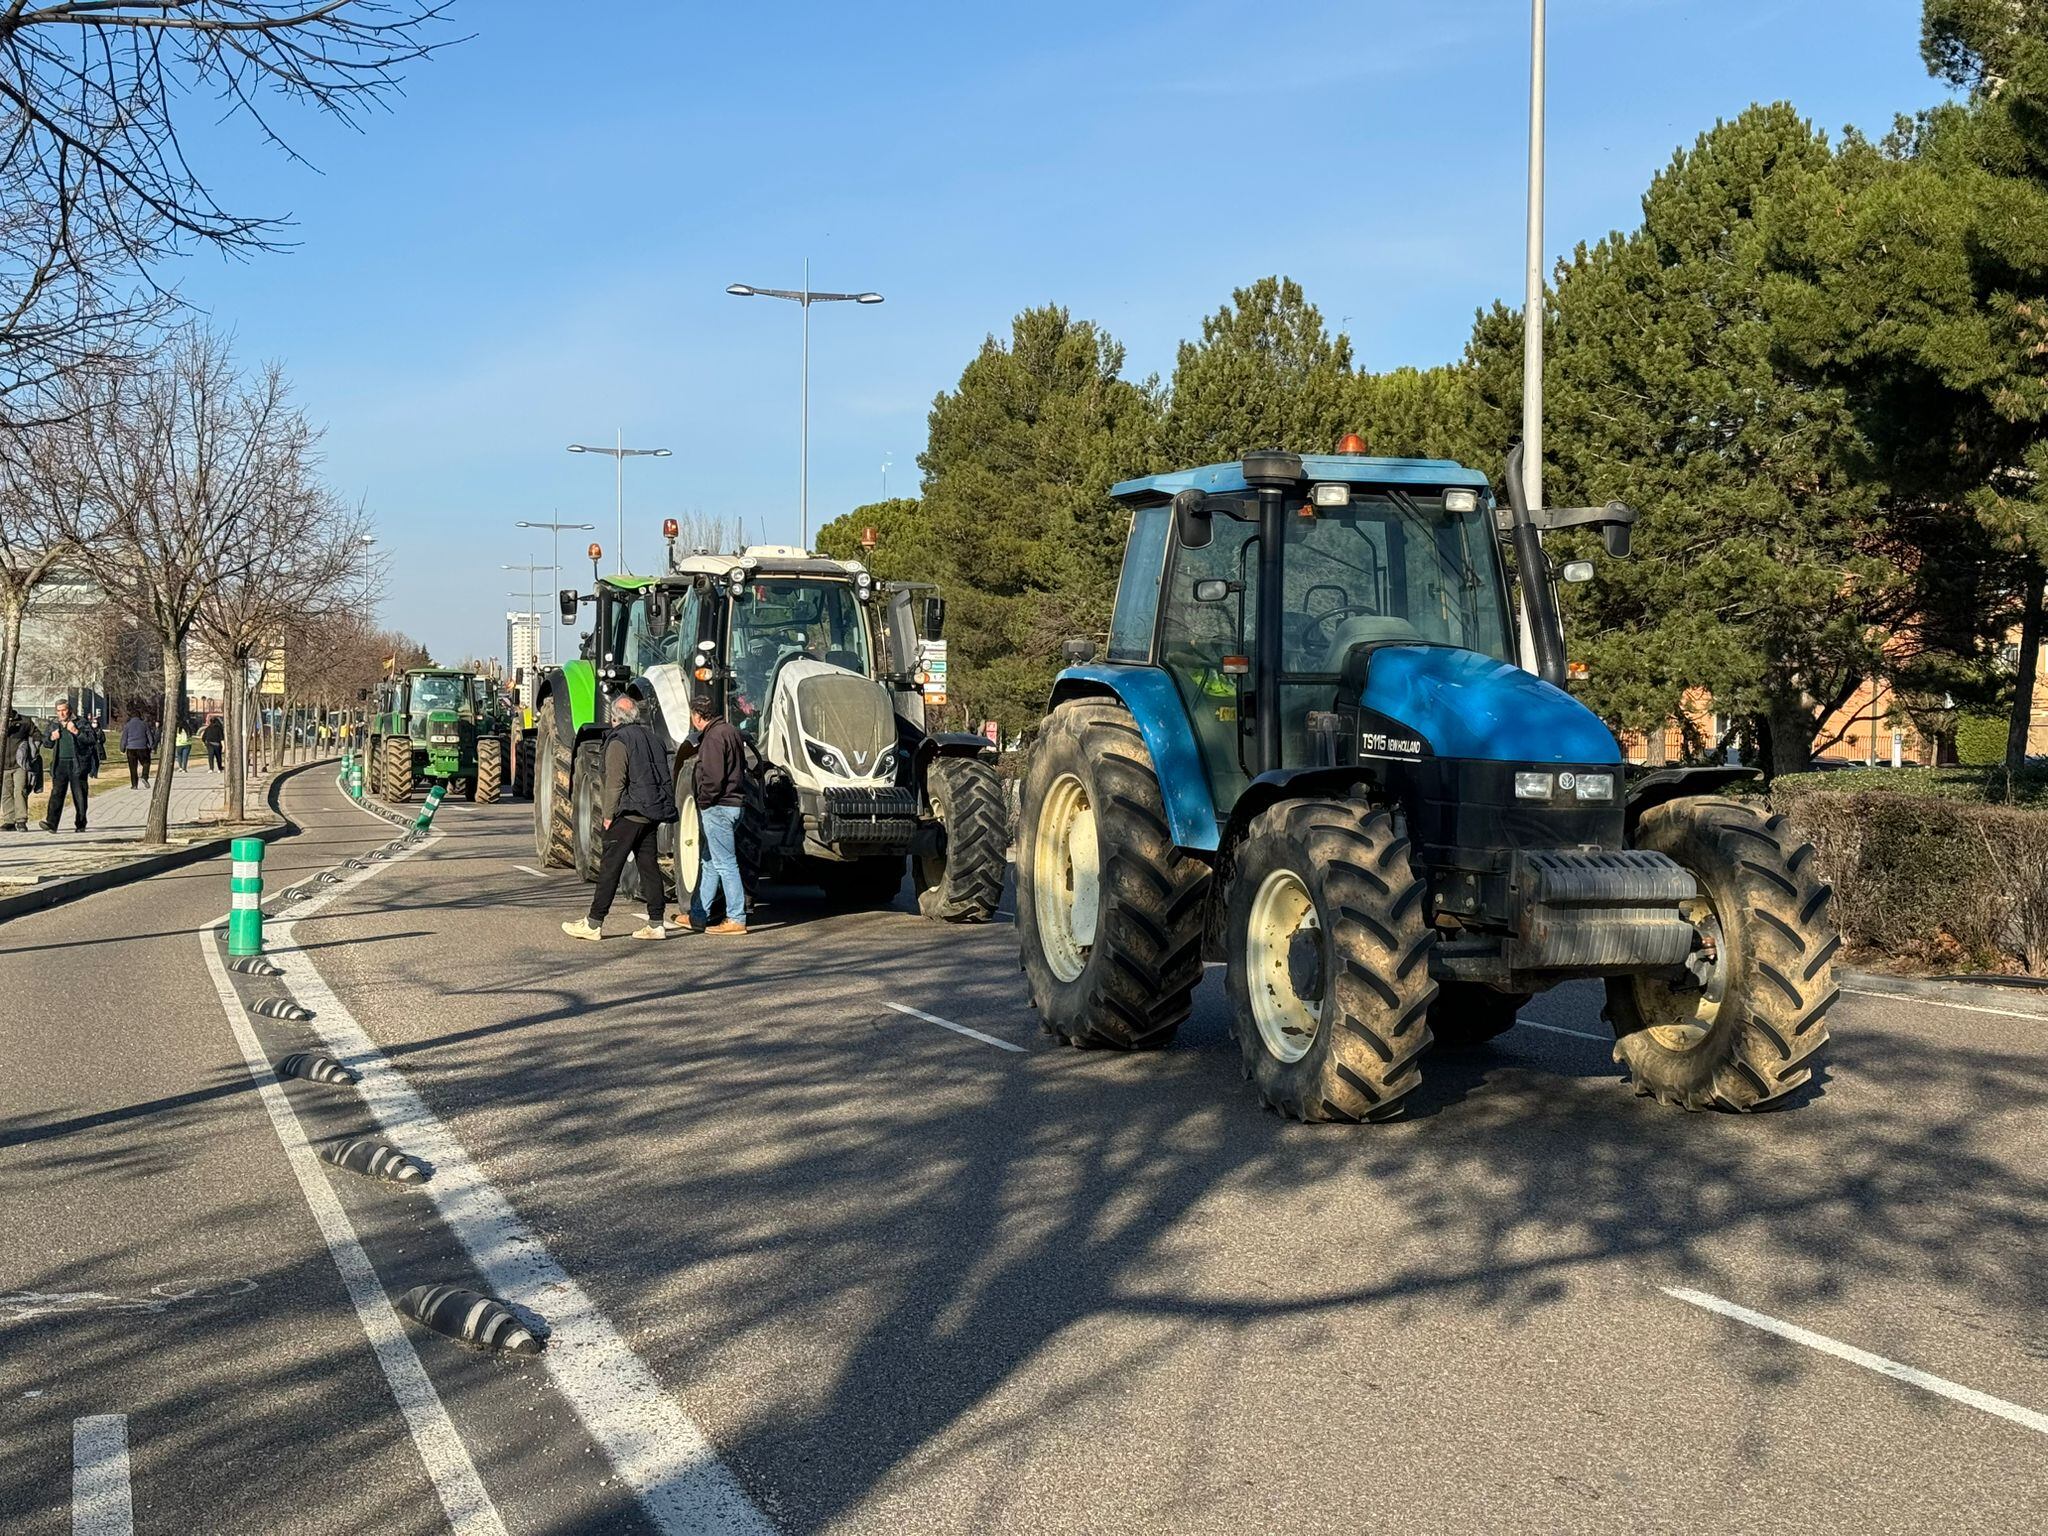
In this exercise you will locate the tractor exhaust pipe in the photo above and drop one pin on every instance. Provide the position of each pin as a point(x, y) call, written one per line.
point(1546, 633)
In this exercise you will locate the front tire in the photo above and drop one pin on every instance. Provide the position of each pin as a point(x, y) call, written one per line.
point(963, 881)
point(489, 782)
point(396, 755)
point(1329, 961)
point(554, 810)
point(1744, 1025)
point(588, 810)
point(1109, 912)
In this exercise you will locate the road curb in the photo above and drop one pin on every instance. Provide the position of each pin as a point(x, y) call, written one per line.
point(57, 893)
point(1976, 994)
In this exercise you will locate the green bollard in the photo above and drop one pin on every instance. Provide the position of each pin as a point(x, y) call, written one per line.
point(435, 795)
point(245, 916)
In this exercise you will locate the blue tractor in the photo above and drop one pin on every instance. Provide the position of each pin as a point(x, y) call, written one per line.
point(1310, 752)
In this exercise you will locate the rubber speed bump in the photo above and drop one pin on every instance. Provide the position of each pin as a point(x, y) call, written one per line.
point(254, 965)
point(374, 1159)
point(315, 1068)
point(481, 1322)
point(284, 1008)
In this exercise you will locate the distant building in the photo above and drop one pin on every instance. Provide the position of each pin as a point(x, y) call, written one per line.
point(522, 653)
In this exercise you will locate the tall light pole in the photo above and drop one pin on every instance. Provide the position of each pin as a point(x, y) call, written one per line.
point(1532, 303)
point(619, 454)
point(555, 569)
point(804, 298)
point(533, 612)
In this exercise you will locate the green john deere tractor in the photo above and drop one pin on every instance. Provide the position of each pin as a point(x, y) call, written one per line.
point(815, 663)
point(437, 725)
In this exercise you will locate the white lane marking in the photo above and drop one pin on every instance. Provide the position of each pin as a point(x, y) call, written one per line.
point(528, 869)
point(1558, 1029)
point(1933, 1002)
point(958, 1029)
point(1970, 1396)
point(447, 1460)
point(101, 1504)
point(656, 1448)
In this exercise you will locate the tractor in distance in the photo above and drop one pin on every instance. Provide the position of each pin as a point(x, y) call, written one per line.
point(1309, 751)
point(814, 662)
point(436, 724)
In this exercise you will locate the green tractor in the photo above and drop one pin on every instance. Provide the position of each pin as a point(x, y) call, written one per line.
point(437, 725)
point(1321, 750)
point(815, 663)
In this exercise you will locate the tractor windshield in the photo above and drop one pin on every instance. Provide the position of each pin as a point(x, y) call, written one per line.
point(1390, 567)
point(437, 695)
point(779, 618)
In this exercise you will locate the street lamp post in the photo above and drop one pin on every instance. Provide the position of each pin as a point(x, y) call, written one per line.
point(619, 454)
point(532, 611)
point(555, 571)
point(804, 298)
point(1532, 303)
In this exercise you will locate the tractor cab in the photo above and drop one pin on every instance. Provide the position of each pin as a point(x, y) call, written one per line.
point(1313, 751)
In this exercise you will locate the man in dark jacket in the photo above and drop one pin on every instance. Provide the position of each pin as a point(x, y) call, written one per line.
point(213, 734)
point(74, 749)
point(135, 741)
point(639, 795)
point(719, 785)
point(18, 743)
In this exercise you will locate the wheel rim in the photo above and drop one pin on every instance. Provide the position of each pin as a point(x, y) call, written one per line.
point(1066, 877)
point(1284, 966)
point(1682, 1013)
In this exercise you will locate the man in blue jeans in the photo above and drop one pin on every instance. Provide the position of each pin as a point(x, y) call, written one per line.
point(719, 784)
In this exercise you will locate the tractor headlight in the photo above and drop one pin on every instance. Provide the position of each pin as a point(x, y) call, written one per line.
point(1596, 786)
point(1461, 501)
point(1532, 786)
point(826, 758)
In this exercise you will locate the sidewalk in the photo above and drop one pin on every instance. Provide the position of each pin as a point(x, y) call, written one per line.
point(115, 816)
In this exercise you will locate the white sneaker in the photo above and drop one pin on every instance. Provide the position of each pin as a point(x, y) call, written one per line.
point(582, 928)
point(650, 931)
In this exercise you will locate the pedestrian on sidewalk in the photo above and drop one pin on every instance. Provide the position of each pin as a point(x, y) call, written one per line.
point(21, 755)
point(639, 796)
point(184, 744)
point(135, 734)
point(72, 747)
point(718, 783)
point(213, 733)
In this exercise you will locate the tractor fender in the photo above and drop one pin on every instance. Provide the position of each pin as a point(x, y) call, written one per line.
point(1648, 790)
point(1155, 704)
point(1269, 789)
point(950, 744)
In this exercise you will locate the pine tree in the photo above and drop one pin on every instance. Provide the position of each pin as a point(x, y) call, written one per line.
point(1265, 374)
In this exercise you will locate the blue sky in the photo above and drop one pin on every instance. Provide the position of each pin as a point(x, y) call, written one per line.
point(531, 246)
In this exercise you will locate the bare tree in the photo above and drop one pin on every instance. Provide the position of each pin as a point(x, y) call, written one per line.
point(34, 511)
point(711, 532)
point(176, 481)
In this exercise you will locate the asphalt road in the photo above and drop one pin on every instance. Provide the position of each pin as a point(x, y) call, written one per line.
point(817, 1263)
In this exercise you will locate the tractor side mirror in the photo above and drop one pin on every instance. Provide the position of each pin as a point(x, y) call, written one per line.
point(566, 601)
point(1619, 529)
point(934, 617)
point(1191, 518)
point(1576, 571)
point(1077, 652)
point(362, 695)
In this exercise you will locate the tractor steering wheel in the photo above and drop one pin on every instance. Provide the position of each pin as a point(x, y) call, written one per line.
point(1328, 622)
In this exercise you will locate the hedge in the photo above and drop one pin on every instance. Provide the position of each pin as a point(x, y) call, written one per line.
point(1936, 882)
point(1986, 786)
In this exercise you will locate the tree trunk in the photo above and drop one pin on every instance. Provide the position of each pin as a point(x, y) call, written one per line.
point(234, 799)
point(159, 827)
point(2030, 655)
point(10, 653)
point(1791, 731)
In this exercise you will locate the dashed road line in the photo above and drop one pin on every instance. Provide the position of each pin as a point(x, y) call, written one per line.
point(656, 1448)
point(2027, 1418)
point(1559, 1029)
point(447, 1460)
point(958, 1029)
point(101, 1503)
point(528, 869)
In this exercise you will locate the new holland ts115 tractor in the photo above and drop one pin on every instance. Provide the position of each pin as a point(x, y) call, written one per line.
point(1309, 752)
point(815, 663)
point(434, 725)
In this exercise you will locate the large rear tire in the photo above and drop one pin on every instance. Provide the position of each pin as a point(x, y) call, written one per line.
point(1109, 913)
point(1329, 961)
point(396, 756)
point(489, 782)
point(1744, 1025)
point(1466, 1014)
point(373, 767)
point(554, 811)
point(522, 767)
point(963, 881)
point(588, 803)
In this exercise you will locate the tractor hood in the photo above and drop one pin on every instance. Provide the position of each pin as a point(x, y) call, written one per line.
point(1465, 705)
